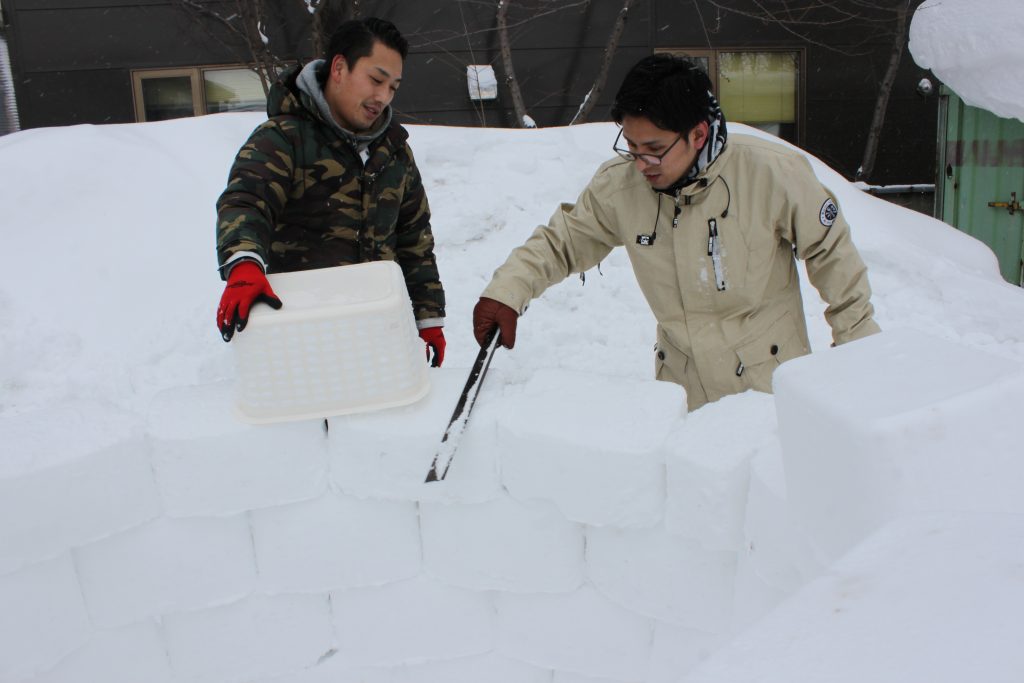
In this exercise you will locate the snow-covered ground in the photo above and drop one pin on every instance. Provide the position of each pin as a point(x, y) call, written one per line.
point(974, 46)
point(590, 531)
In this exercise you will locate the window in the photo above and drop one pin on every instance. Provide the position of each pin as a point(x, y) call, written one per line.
point(760, 88)
point(162, 94)
point(233, 90)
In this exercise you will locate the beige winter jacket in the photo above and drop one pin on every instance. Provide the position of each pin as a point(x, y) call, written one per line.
point(722, 283)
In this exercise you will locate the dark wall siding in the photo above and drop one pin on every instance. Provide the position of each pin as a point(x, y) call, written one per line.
point(58, 98)
point(72, 61)
point(91, 38)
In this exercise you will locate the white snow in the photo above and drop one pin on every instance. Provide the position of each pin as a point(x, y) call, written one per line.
point(43, 617)
point(878, 432)
point(408, 622)
point(199, 448)
point(600, 455)
point(503, 544)
point(923, 600)
point(166, 566)
point(293, 557)
point(281, 634)
point(588, 530)
point(974, 47)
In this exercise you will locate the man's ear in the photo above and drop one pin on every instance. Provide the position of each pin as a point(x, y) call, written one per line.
point(338, 64)
point(699, 134)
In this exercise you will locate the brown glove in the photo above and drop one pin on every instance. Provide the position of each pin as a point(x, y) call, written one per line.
point(488, 314)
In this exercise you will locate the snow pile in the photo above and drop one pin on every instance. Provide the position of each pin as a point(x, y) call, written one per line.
point(916, 463)
point(588, 531)
point(975, 48)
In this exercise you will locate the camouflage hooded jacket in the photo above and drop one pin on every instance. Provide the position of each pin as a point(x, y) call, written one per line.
point(300, 197)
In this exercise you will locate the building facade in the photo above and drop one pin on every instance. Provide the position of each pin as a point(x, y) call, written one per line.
point(118, 61)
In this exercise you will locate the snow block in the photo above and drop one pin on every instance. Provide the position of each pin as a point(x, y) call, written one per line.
point(387, 454)
point(258, 636)
point(208, 462)
point(42, 618)
point(167, 565)
point(592, 445)
point(579, 632)
point(754, 597)
point(564, 677)
point(774, 547)
point(708, 469)
point(896, 423)
point(69, 476)
point(489, 668)
point(663, 576)
point(502, 545)
point(411, 621)
point(335, 542)
point(133, 654)
point(776, 558)
point(929, 579)
point(676, 650)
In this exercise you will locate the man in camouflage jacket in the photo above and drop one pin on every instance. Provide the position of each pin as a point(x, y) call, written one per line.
point(328, 180)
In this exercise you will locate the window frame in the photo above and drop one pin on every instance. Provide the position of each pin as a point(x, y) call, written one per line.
point(711, 54)
point(195, 73)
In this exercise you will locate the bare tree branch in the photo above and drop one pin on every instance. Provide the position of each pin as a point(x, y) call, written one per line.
point(452, 35)
point(244, 24)
point(813, 15)
point(590, 100)
point(329, 14)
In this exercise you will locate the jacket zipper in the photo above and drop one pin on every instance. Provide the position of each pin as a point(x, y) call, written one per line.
point(715, 252)
point(364, 244)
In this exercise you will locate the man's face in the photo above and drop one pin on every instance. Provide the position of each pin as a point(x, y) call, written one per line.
point(357, 94)
point(643, 137)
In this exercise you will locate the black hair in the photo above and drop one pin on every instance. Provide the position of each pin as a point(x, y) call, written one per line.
point(671, 91)
point(355, 39)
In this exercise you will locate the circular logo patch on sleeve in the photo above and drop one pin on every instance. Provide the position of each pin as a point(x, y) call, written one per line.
point(829, 212)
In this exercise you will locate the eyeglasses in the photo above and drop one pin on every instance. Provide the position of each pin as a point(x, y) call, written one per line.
point(650, 159)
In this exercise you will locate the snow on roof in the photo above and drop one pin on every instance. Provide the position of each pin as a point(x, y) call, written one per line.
point(974, 47)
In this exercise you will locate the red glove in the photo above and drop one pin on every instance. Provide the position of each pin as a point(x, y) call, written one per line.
point(488, 314)
point(246, 285)
point(434, 337)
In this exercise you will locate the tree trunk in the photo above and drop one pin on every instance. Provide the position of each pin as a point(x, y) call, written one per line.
point(867, 165)
point(523, 119)
point(590, 101)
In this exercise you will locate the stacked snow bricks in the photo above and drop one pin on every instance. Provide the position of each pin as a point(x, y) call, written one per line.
point(576, 538)
point(588, 530)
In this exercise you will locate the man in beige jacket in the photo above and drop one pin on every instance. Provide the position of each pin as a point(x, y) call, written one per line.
point(711, 224)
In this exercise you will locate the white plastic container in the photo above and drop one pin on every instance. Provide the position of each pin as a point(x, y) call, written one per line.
point(344, 342)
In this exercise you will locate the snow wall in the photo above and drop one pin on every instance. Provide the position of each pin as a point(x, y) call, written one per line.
point(607, 537)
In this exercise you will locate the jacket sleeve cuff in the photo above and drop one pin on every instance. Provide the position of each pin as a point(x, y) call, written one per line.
point(238, 257)
point(517, 301)
point(429, 322)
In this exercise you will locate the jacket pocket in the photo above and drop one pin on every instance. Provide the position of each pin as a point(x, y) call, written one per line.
point(758, 359)
point(669, 362)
